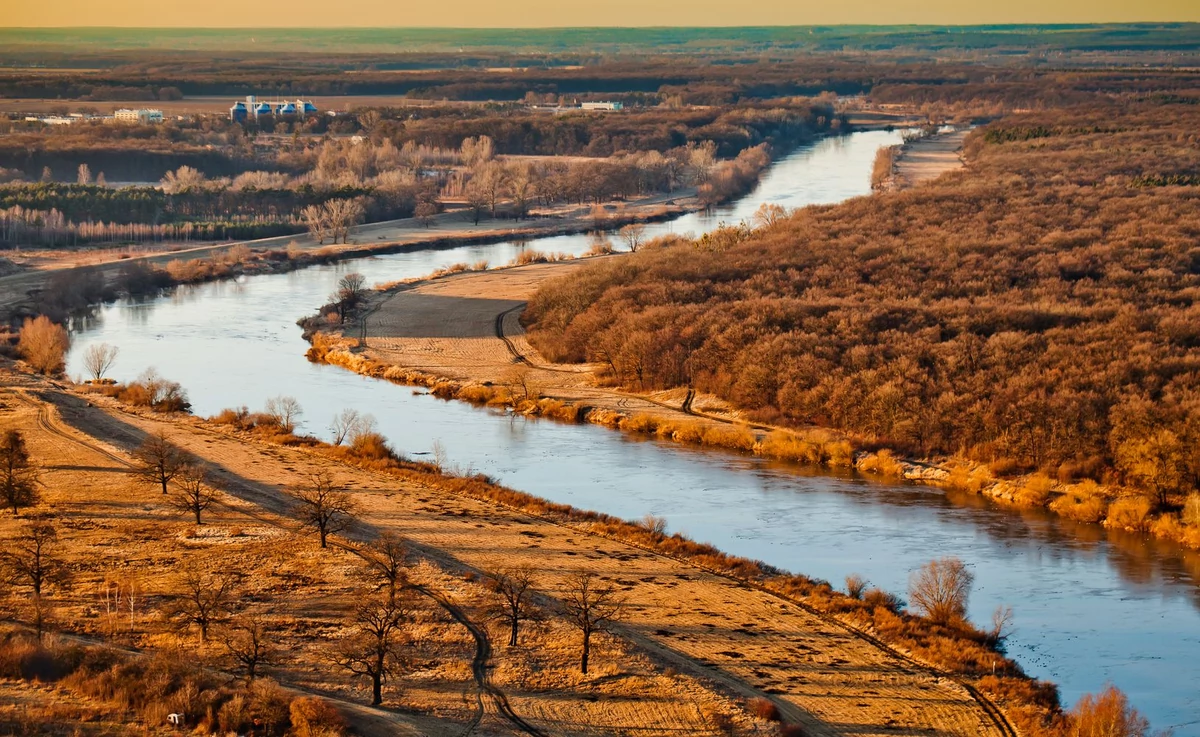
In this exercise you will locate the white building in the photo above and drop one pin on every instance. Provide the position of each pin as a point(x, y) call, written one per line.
point(605, 106)
point(143, 116)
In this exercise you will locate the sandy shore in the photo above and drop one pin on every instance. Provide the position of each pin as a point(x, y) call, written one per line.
point(929, 158)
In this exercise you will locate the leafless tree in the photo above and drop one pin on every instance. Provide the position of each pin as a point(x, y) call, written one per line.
point(341, 215)
point(350, 293)
point(318, 226)
point(325, 506)
point(477, 201)
point(768, 214)
point(489, 179)
point(158, 461)
point(202, 599)
point(344, 425)
point(373, 650)
point(250, 644)
point(634, 235)
point(193, 495)
point(44, 344)
point(425, 212)
point(514, 589)
point(30, 561)
point(285, 412)
point(940, 590)
point(83, 175)
point(18, 476)
point(592, 607)
point(99, 358)
point(388, 559)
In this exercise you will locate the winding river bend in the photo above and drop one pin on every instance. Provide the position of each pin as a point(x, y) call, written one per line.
point(1090, 606)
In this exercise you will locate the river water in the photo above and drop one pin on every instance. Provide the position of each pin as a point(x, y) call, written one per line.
point(1091, 607)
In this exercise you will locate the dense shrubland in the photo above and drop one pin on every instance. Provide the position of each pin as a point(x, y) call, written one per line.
point(1035, 312)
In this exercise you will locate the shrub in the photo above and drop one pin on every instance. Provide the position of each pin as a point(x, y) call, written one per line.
point(1082, 502)
point(1035, 491)
point(44, 344)
point(1129, 513)
point(314, 717)
point(764, 709)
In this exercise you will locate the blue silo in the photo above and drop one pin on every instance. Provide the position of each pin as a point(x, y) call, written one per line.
point(238, 112)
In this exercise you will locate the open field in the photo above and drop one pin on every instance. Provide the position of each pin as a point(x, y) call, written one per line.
point(693, 642)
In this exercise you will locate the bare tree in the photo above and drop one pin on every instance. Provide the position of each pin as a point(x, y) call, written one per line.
point(18, 476)
point(44, 344)
point(350, 293)
point(158, 461)
point(634, 235)
point(388, 559)
point(83, 175)
point(98, 359)
point(373, 650)
point(940, 590)
point(425, 212)
point(30, 560)
point(514, 589)
point(325, 506)
point(202, 599)
point(285, 412)
point(489, 178)
point(656, 526)
point(477, 201)
point(592, 607)
point(193, 495)
point(768, 214)
point(250, 644)
point(351, 424)
point(315, 219)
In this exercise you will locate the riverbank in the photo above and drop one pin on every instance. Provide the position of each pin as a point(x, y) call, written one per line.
point(460, 336)
point(920, 160)
point(739, 628)
point(278, 255)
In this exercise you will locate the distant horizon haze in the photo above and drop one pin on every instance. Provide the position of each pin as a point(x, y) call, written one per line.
point(476, 14)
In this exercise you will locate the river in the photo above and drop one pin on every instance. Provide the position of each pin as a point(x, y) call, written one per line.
point(1091, 607)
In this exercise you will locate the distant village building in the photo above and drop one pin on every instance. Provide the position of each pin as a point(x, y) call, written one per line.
point(143, 116)
point(242, 111)
point(603, 106)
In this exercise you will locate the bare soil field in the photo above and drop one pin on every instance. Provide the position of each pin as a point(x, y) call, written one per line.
point(929, 158)
point(692, 646)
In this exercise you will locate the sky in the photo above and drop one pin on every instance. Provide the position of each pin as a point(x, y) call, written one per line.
point(560, 13)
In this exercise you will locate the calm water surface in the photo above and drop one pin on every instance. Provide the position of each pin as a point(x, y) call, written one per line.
point(1090, 607)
